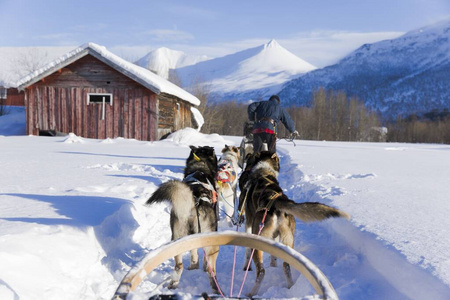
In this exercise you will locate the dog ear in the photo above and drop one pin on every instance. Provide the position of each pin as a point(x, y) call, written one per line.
point(193, 147)
point(274, 155)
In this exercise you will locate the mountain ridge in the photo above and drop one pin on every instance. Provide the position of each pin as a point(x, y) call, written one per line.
point(161, 60)
point(401, 76)
point(248, 74)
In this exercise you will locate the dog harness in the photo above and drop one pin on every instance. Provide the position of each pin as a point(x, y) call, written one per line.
point(226, 173)
point(192, 180)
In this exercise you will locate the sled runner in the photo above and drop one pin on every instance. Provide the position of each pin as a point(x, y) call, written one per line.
point(153, 259)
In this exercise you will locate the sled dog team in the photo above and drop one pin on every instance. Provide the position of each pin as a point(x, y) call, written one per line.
point(208, 180)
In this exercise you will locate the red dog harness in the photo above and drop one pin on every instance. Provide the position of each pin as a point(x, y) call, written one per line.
point(226, 173)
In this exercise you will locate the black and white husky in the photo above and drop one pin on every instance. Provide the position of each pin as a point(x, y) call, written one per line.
point(194, 208)
point(227, 180)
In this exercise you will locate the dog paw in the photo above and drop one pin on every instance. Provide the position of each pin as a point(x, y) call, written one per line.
point(250, 295)
point(173, 285)
point(245, 268)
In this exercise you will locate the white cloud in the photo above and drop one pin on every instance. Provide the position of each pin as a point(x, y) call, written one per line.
point(192, 12)
point(53, 36)
point(169, 35)
point(322, 48)
point(56, 39)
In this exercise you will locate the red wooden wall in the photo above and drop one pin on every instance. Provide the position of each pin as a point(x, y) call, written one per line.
point(14, 97)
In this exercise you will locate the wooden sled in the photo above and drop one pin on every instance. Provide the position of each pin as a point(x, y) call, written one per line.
point(157, 256)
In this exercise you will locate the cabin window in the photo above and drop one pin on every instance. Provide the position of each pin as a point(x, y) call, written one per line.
point(99, 98)
point(3, 93)
point(102, 99)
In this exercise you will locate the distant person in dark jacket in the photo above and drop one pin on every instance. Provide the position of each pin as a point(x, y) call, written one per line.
point(265, 116)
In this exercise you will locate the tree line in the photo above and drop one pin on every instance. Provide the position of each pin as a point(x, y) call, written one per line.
point(332, 116)
point(431, 127)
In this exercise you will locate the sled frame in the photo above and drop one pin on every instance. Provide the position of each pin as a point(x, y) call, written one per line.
point(136, 275)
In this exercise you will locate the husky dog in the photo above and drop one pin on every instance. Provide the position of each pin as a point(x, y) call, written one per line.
point(227, 180)
point(194, 208)
point(265, 203)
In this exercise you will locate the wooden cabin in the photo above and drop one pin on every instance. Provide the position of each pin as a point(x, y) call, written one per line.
point(11, 96)
point(95, 94)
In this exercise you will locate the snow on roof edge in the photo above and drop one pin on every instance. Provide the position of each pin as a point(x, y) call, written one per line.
point(198, 117)
point(144, 76)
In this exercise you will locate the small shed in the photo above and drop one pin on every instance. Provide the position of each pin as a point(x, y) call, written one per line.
point(11, 96)
point(95, 94)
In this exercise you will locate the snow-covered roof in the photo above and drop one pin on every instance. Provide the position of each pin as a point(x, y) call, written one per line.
point(141, 75)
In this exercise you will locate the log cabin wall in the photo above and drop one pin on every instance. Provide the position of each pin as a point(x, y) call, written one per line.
point(174, 114)
point(59, 103)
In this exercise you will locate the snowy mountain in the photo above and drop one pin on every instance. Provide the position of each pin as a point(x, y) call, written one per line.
point(163, 59)
point(249, 74)
point(405, 75)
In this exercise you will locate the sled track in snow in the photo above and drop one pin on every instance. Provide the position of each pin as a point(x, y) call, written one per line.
point(351, 256)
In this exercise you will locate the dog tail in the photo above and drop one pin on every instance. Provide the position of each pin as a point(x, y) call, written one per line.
point(179, 194)
point(310, 211)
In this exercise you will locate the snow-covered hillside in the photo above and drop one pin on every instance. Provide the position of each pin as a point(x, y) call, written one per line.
point(405, 75)
point(163, 59)
point(245, 75)
point(73, 219)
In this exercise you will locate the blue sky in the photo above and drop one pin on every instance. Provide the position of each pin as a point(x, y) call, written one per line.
point(318, 31)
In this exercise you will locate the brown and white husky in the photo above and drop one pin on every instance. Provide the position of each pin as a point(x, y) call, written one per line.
point(263, 199)
point(227, 180)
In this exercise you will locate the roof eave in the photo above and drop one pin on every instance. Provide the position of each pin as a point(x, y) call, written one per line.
point(124, 71)
point(53, 69)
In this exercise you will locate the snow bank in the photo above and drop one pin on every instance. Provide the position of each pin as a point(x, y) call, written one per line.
point(190, 136)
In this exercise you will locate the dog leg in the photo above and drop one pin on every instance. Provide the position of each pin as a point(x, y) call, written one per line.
point(273, 259)
point(287, 238)
point(260, 272)
point(288, 274)
point(248, 252)
point(176, 275)
point(209, 265)
point(194, 260)
point(179, 229)
point(227, 199)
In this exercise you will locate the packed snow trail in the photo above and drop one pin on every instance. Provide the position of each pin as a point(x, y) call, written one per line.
point(356, 263)
point(72, 215)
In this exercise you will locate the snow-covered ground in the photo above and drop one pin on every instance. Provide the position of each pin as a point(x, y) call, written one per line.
point(73, 220)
